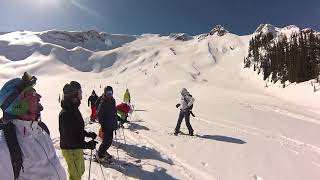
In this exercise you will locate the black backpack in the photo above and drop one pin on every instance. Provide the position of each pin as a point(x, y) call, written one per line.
point(10, 134)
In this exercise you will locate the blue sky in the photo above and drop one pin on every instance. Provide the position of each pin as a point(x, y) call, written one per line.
point(156, 16)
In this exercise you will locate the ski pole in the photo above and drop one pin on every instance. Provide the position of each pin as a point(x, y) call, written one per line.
point(90, 164)
point(101, 167)
point(115, 138)
point(124, 137)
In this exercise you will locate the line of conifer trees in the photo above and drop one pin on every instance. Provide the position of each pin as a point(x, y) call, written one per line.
point(296, 59)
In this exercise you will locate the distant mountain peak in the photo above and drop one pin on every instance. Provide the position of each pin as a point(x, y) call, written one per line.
point(265, 28)
point(290, 27)
point(219, 30)
point(181, 36)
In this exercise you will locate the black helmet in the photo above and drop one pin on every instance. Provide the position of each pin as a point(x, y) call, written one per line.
point(71, 89)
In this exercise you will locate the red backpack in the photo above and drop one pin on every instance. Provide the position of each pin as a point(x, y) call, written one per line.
point(123, 107)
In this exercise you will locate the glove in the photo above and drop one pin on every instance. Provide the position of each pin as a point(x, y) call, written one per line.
point(91, 144)
point(93, 135)
point(177, 105)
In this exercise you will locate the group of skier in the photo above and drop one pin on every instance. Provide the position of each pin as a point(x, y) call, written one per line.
point(71, 126)
point(123, 109)
point(27, 151)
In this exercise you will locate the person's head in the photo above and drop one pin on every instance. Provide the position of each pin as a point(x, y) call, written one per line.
point(108, 91)
point(94, 93)
point(19, 98)
point(72, 91)
point(127, 90)
point(184, 92)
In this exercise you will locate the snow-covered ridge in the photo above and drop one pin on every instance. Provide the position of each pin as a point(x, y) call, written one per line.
point(69, 47)
point(277, 32)
point(1, 33)
point(181, 36)
point(96, 51)
point(91, 40)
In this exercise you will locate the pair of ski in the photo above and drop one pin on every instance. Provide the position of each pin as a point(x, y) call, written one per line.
point(108, 160)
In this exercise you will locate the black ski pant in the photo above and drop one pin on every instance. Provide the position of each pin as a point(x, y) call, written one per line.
point(106, 142)
point(186, 116)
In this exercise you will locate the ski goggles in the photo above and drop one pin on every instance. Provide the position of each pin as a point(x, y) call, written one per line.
point(109, 92)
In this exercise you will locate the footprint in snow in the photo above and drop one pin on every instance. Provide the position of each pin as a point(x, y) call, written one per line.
point(172, 146)
point(204, 164)
point(257, 177)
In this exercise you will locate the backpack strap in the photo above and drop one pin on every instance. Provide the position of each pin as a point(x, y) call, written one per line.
point(44, 127)
point(100, 101)
point(185, 100)
point(10, 134)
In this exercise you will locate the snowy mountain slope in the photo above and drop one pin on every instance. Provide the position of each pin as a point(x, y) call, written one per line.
point(72, 48)
point(243, 130)
point(91, 40)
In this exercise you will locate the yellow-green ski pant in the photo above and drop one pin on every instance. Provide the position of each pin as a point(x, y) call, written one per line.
point(75, 162)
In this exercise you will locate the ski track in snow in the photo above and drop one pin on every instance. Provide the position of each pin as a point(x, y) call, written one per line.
point(133, 137)
point(300, 144)
point(295, 146)
point(183, 167)
point(316, 164)
point(282, 112)
point(283, 140)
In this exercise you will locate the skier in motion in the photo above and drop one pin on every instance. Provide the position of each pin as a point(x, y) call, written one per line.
point(186, 106)
point(91, 102)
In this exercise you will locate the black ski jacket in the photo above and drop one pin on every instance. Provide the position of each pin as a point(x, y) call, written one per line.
point(92, 100)
point(107, 113)
point(71, 126)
